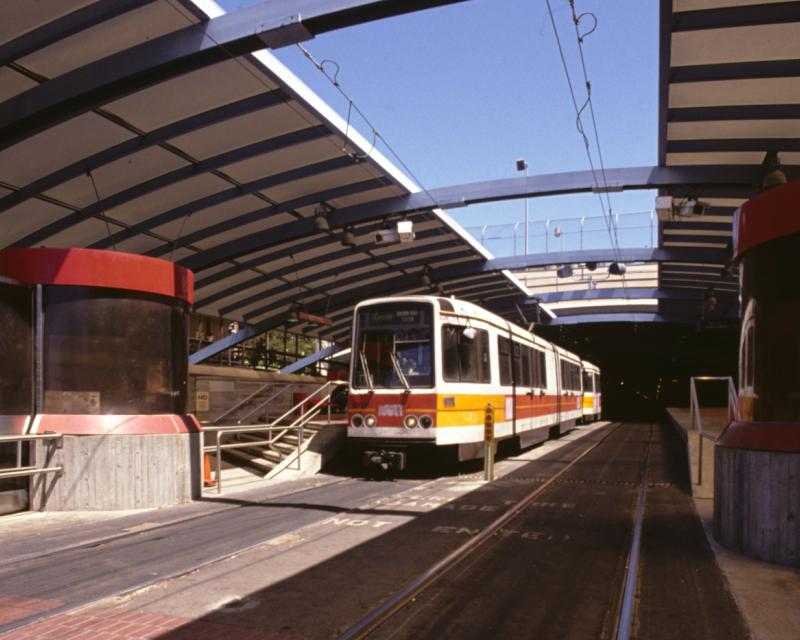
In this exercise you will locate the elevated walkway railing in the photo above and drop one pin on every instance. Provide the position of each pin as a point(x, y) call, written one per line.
point(20, 470)
point(305, 411)
point(696, 421)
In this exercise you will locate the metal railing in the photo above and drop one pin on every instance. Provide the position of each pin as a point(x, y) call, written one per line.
point(309, 408)
point(242, 403)
point(630, 230)
point(19, 470)
point(696, 422)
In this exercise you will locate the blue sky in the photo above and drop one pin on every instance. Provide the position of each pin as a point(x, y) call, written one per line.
point(460, 92)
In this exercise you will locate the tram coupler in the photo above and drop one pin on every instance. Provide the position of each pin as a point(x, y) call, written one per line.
point(385, 460)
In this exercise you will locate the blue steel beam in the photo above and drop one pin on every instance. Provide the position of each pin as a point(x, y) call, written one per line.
point(65, 26)
point(726, 180)
point(145, 141)
point(743, 16)
point(301, 364)
point(735, 71)
point(273, 24)
point(736, 112)
point(733, 144)
point(625, 293)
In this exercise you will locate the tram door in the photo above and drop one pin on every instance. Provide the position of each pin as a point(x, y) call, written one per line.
point(524, 388)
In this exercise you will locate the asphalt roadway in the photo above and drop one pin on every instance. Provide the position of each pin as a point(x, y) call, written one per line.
point(308, 563)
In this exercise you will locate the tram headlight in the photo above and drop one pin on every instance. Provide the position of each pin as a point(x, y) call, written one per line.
point(411, 422)
point(370, 420)
point(356, 420)
point(426, 422)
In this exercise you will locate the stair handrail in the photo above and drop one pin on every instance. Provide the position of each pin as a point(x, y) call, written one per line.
point(266, 402)
point(227, 412)
point(298, 424)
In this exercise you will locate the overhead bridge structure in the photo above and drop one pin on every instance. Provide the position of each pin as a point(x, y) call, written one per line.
point(166, 128)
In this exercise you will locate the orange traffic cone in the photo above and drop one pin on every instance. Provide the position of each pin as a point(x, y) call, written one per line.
point(207, 479)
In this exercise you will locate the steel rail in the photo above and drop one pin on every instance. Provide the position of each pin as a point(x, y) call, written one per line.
point(625, 617)
point(383, 612)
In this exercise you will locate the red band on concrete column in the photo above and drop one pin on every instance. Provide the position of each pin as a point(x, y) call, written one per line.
point(91, 425)
point(768, 216)
point(762, 436)
point(95, 268)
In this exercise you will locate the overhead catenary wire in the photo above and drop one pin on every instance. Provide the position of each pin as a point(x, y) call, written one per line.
point(607, 213)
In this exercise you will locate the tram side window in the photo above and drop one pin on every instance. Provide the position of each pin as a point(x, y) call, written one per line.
point(587, 381)
point(597, 383)
point(526, 366)
point(570, 376)
point(539, 369)
point(504, 351)
point(465, 356)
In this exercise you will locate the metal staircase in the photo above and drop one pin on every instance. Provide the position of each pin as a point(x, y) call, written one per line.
point(269, 447)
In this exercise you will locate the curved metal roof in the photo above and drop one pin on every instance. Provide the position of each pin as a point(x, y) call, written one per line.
point(161, 127)
point(150, 127)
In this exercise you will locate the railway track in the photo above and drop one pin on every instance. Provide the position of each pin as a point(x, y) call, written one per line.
point(415, 612)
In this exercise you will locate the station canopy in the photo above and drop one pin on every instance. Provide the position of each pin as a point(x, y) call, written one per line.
point(165, 128)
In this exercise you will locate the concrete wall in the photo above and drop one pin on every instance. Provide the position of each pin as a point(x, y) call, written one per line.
point(757, 505)
point(214, 389)
point(115, 472)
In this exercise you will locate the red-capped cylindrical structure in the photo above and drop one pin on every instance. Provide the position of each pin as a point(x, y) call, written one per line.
point(757, 458)
point(95, 346)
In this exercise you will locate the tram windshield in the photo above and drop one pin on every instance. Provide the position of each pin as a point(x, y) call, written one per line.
point(393, 347)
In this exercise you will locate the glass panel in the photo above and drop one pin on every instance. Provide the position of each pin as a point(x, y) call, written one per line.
point(114, 352)
point(450, 353)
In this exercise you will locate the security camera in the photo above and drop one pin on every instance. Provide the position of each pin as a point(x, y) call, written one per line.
point(403, 232)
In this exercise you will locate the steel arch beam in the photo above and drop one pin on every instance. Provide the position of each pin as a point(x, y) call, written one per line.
point(297, 267)
point(173, 177)
point(145, 141)
point(316, 241)
point(413, 279)
point(721, 179)
point(65, 26)
point(272, 24)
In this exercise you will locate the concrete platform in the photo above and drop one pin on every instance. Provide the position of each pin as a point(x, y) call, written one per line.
point(767, 594)
point(333, 546)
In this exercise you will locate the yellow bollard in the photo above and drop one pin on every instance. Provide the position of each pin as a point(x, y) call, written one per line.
point(488, 443)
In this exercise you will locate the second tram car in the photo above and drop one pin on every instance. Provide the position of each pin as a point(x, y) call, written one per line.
point(424, 368)
point(592, 397)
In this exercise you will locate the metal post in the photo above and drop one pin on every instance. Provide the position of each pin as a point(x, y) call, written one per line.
point(700, 460)
point(219, 463)
point(488, 443)
point(546, 234)
point(300, 447)
point(38, 348)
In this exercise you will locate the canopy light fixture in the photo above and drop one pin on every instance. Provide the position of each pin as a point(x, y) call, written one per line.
point(425, 278)
point(617, 269)
point(348, 237)
point(564, 271)
point(321, 217)
point(293, 317)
